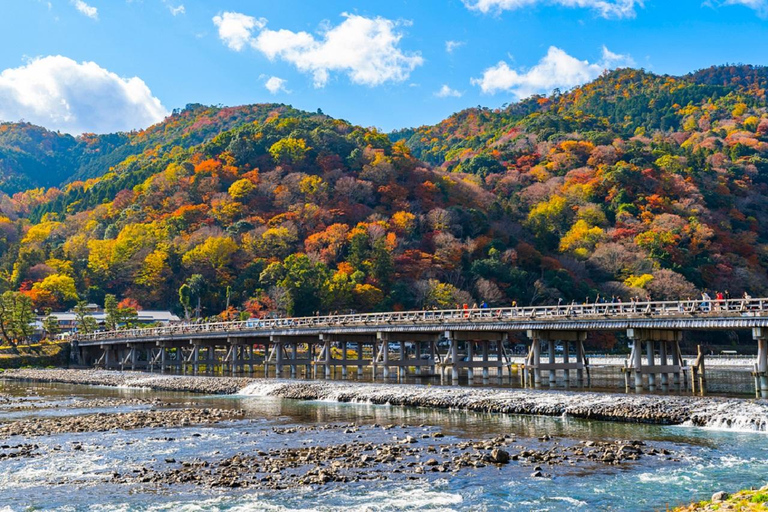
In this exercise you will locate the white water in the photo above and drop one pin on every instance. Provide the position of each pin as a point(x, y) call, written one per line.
point(712, 413)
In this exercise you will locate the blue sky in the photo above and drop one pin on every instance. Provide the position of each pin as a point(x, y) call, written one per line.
point(104, 65)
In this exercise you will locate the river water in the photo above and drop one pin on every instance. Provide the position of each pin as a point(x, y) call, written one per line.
point(64, 477)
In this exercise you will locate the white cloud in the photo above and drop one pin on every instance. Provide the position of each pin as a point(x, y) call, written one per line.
point(605, 8)
point(61, 94)
point(556, 69)
point(275, 85)
point(235, 29)
point(366, 49)
point(450, 46)
point(447, 92)
point(84, 8)
point(179, 9)
point(759, 6)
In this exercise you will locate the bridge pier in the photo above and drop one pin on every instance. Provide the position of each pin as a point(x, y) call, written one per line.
point(331, 340)
point(195, 358)
point(208, 348)
point(285, 351)
point(669, 348)
point(568, 338)
point(761, 366)
point(471, 340)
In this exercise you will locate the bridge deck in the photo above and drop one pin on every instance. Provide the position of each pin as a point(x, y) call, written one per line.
point(680, 315)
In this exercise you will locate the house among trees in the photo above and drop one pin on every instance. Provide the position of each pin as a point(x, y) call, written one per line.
point(68, 320)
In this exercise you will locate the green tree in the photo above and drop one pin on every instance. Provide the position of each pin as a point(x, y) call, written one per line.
point(16, 317)
point(51, 325)
point(83, 319)
point(185, 297)
point(117, 315)
point(303, 279)
point(196, 284)
point(112, 319)
point(289, 151)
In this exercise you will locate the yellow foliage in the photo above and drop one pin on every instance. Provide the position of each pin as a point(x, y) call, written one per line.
point(61, 266)
point(751, 123)
point(739, 109)
point(60, 286)
point(581, 238)
point(540, 173)
point(215, 252)
point(638, 281)
point(40, 232)
point(154, 266)
point(76, 247)
point(312, 185)
point(404, 222)
point(548, 215)
point(241, 189)
point(100, 255)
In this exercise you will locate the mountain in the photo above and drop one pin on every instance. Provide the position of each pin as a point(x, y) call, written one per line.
point(31, 156)
point(617, 104)
point(634, 184)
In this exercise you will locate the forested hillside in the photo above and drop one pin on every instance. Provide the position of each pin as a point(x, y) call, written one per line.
point(631, 185)
point(32, 157)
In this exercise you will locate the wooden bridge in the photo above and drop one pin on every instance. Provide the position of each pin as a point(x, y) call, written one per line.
point(432, 342)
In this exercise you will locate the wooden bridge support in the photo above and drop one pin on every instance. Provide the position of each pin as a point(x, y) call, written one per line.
point(670, 358)
point(569, 339)
point(342, 341)
point(485, 340)
point(410, 353)
point(761, 366)
point(284, 351)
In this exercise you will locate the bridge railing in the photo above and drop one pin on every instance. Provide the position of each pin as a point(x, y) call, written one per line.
point(616, 310)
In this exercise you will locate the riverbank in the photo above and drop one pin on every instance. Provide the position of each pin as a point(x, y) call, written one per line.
point(743, 501)
point(729, 413)
point(37, 355)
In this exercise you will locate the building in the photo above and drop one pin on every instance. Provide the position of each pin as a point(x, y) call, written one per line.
point(68, 319)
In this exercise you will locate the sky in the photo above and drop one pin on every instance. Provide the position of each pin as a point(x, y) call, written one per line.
point(109, 65)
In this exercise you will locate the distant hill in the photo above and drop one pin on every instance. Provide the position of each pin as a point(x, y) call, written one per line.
point(31, 156)
point(616, 104)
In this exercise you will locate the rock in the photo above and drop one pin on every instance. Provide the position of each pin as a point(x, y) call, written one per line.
point(720, 496)
point(499, 456)
point(431, 462)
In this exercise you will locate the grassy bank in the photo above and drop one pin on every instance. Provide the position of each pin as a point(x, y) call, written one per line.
point(743, 501)
point(36, 355)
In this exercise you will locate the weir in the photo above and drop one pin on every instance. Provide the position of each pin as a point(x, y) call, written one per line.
point(452, 343)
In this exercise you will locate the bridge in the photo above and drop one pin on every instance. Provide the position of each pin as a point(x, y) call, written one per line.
point(454, 342)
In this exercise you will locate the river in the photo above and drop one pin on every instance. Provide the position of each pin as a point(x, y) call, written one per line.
point(74, 471)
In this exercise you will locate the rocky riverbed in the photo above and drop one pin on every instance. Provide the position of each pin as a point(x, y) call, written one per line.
point(102, 422)
point(413, 453)
point(11, 404)
point(653, 409)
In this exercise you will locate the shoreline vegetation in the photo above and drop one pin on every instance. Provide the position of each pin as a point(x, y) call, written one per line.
point(650, 409)
point(750, 500)
point(46, 353)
